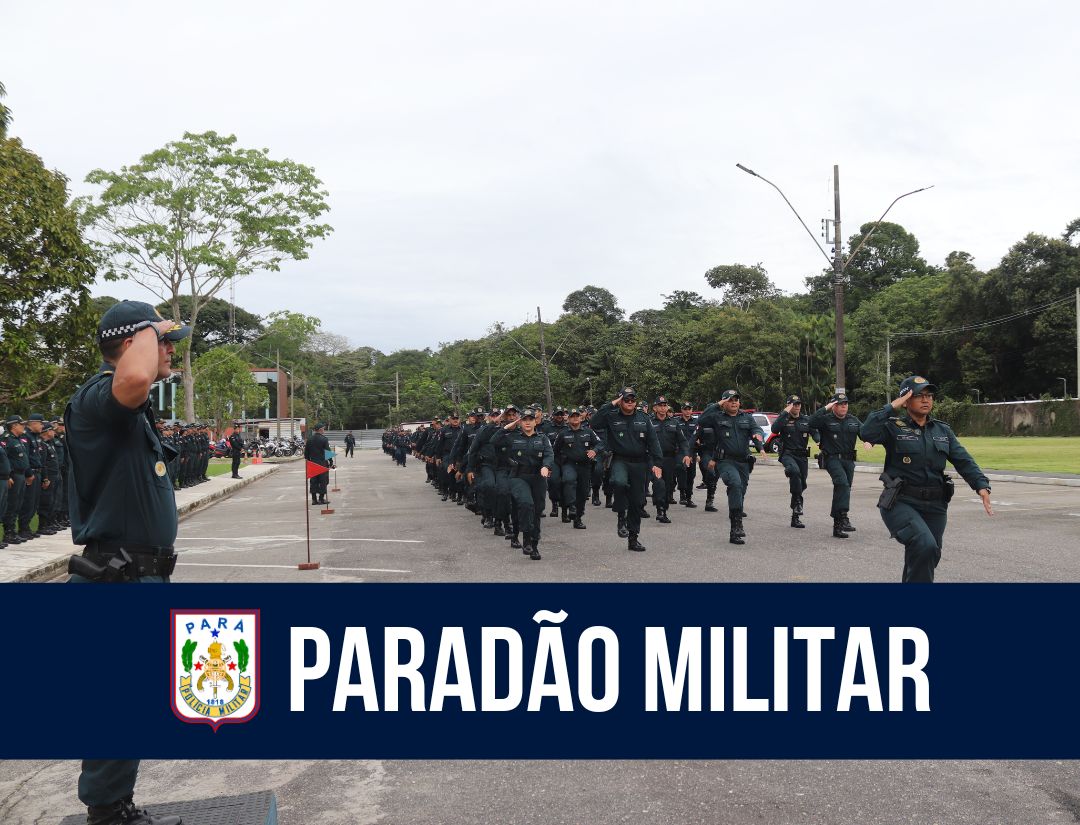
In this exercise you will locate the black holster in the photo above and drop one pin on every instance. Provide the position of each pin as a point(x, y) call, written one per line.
point(893, 486)
point(948, 488)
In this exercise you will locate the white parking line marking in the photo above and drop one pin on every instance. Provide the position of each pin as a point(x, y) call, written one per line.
point(287, 538)
point(293, 567)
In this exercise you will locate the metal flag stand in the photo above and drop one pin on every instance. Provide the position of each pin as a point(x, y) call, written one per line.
point(309, 564)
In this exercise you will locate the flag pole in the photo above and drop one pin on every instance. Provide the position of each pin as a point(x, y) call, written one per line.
point(309, 565)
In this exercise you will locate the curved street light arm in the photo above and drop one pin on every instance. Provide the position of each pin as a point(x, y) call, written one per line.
point(876, 225)
point(792, 208)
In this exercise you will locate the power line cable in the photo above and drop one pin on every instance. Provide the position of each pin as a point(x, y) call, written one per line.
point(1004, 319)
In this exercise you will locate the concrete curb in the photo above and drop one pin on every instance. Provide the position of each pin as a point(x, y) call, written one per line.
point(47, 556)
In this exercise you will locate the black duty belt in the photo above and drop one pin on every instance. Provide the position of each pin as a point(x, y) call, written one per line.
point(632, 459)
point(845, 456)
point(935, 493)
point(742, 459)
point(797, 451)
point(145, 559)
point(672, 454)
point(18, 473)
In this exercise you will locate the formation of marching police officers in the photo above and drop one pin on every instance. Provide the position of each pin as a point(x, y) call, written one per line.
point(504, 464)
point(34, 470)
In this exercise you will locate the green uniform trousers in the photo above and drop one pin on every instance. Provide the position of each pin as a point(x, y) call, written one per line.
point(842, 473)
point(628, 488)
point(735, 475)
point(795, 468)
point(527, 491)
point(919, 526)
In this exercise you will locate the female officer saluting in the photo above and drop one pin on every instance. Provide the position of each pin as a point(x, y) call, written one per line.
point(914, 505)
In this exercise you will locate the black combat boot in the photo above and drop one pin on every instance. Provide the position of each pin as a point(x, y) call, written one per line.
point(485, 523)
point(689, 501)
point(579, 524)
point(709, 506)
point(607, 500)
point(633, 544)
point(596, 499)
point(13, 538)
point(554, 508)
point(530, 550)
point(445, 495)
point(797, 506)
point(124, 812)
point(499, 529)
point(795, 519)
point(846, 525)
point(737, 534)
point(565, 515)
point(623, 532)
point(838, 529)
point(644, 513)
point(514, 541)
point(662, 517)
point(739, 516)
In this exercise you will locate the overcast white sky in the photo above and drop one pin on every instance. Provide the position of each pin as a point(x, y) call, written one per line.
point(542, 147)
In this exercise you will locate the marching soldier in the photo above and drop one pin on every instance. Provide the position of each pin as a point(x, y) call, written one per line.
point(530, 457)
point(480, 469)
point(676, 456)
point(630, 440)
point(727, 433)
point(350, 444)
point(505, 512)
point(915, 502)
point(551, 429)
point(576, 448)
point(793, 429)
point(839, 434)
point(687, 422)
point(5, 480)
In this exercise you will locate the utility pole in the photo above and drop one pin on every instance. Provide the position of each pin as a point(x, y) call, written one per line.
point(544, 363)
point(491, 404)
point(888, 367)
point(397, 391)
point(1078, 342)
point(277, 381)
point(838, 283)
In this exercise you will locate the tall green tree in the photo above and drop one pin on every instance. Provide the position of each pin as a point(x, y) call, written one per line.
point(742, 285)
point(225, 388)
point(214, 323)
point(190, 217)
point(47, 324)
point(594, 300)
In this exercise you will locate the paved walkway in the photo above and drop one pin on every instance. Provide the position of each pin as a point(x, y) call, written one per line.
point(46, 556)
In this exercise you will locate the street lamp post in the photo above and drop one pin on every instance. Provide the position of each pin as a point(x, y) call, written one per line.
point(836, 262)
point(1064, 389)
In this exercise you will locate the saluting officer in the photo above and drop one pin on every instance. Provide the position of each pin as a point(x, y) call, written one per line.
point(676, 452)
point(793, 431)
point(731, 434)
point(915, 502)
point(839, 433)
point(123, 508)
point(530, 457)
point(634, 450)
point(59, 514)
point(576, 448)
point(315, 451)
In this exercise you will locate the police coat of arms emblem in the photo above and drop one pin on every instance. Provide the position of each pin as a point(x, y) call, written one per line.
point(215, 665)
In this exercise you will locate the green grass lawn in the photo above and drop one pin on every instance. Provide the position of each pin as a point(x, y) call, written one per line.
point(1044, 455)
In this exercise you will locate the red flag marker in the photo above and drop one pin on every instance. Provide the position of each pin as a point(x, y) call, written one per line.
point(314, 469)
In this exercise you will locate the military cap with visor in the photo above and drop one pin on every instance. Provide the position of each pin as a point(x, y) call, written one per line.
point(730, 394)
point(629, 394)
point(660, 399)
point(839, 398)
point(125, 318)
point(917, 384)
point(793, 399)
point(13, 419)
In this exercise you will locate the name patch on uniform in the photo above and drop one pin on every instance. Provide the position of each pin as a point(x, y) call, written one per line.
point(941, 438)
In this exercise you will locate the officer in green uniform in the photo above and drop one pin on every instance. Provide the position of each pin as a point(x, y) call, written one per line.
point(5, 478)
point(732, 432)
point(531, 459)
point(915, 502)
point(15, 446)
point(687, 422)
point(793, 431)
point(676, 451)
point(480, 470)
point(50, 475)
point(58, 517)
point(505, 512)
point(839, 433)
point(35, 475)
point(122, 506)
point(630, 439)
point(576, 448)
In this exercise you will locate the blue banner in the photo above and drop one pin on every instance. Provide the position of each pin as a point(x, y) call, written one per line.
point(527, 671)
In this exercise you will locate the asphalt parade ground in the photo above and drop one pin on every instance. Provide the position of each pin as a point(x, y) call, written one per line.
point(389, 525)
